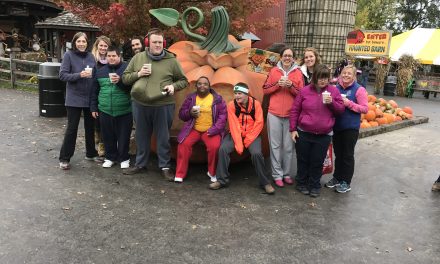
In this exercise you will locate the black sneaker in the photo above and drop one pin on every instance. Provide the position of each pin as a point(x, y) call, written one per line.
point(332, 183)
point(303, 189)
point(315, 193)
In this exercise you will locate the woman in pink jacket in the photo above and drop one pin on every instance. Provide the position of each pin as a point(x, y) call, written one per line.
point(311, 125)
point(282, 85)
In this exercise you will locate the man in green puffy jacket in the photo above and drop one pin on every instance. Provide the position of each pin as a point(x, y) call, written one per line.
point(154, 74)
point(110, 100)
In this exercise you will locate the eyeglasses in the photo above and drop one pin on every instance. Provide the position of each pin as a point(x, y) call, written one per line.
point(288, 56)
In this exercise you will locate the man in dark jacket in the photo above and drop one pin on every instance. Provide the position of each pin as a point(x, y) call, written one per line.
point(111, 102)
point(204, 113)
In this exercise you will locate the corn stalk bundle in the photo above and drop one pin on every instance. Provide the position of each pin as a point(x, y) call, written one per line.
point(381, 73)
point(406, 67)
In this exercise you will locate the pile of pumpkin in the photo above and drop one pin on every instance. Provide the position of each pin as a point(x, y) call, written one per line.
point(382, 112)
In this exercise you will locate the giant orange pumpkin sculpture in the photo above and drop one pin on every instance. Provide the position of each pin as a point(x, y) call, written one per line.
point(218, 56)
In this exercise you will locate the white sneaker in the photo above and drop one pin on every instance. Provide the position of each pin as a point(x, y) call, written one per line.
point(107, 163)
point(125, 164)
point(213, 178)
point(178, 179)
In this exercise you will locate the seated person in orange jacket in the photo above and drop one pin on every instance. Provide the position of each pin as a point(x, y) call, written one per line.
point(245, 118)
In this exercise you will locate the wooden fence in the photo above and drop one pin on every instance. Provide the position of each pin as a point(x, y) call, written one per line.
point(20, 72)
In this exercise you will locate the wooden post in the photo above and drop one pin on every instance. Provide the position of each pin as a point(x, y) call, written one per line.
point(13, 65)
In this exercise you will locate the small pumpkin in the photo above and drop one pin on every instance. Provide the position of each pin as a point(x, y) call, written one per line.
point(373, 123)
point(370, 116)
point(378, 112)
point(371, 98)
point(382, 121)
point(393, 103)
point(407, 110)
point(390, 117)
point(365, 125)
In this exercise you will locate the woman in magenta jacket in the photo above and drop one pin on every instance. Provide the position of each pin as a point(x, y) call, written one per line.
point(311, 125)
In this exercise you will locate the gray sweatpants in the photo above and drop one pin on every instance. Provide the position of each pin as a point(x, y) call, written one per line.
point(149, 119)
point(257, 158)
point(281, 146)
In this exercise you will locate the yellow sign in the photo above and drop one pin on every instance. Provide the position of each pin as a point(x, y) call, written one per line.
point(371, 43)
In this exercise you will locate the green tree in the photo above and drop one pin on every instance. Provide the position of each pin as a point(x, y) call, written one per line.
point(397, 15)
point(375, 14)
point(416, 13)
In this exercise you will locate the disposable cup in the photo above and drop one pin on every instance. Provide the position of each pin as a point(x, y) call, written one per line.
point(112, 74)
point(147, 66)
point(325, 95)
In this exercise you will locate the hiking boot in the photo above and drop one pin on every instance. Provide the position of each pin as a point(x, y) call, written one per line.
point(215, 186)
point(134, 170)
point(303, 189)
point(279, 183)
point(95, 159)
point(343, 187)
point(436, 187)
point(167, 173)
point(332, 183)
point(288, 180)
point(107, 163)
point(269, 189)
point(64, 165)
point(315, 193)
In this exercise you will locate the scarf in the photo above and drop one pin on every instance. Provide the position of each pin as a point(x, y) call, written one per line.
point(156, 57)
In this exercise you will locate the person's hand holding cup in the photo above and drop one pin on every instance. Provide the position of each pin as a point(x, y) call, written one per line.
point(87, 73)
point(114, 77)
point(326, 97)
point(145, 70)
point(147, 67)
point(195, 111)
point(282, 81)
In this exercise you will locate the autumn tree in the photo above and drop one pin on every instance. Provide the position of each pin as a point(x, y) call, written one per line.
point(126, 18)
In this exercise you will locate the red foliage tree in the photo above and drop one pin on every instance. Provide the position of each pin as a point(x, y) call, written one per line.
point(123, 19)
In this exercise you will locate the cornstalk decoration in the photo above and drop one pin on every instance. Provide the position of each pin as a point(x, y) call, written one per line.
point(381, 73)
point(407, 66)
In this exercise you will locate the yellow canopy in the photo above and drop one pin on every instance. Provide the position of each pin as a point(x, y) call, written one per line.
point(422, 43)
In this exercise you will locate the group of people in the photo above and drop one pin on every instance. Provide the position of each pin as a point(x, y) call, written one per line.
point(305, 114)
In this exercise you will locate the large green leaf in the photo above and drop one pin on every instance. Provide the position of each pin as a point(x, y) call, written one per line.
point(167, 16)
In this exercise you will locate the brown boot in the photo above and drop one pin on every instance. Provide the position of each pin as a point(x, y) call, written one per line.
point(167, 174)
point(269, 189)
point(215, 186)
point(133, 170)
point(436, 187)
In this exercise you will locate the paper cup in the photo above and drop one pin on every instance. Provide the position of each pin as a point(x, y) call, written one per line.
point(147, 66)
point(196, 107)
point(112, 74)
point(325, 95)
point(89, 70)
